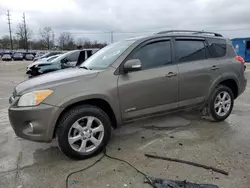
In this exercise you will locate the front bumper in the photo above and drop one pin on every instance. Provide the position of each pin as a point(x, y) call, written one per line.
point(17, 59)
point(34, 123)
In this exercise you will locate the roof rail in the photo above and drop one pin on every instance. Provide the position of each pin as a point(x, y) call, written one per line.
point(190, 31)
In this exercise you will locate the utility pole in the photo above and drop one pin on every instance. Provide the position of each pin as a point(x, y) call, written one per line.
point(8, 15)
point(25, 32)
point(111, 37)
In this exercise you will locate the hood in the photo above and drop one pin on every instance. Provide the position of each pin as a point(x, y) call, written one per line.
point(54, 79)
point(38, 62)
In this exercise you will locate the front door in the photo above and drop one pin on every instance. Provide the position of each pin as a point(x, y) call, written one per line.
point(154, 88)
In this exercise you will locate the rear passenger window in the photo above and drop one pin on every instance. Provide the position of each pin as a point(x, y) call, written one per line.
point(218, 46)
point(155, 54)
point(190, 50)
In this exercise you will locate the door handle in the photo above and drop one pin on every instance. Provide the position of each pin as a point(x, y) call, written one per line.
point(171, 74)
point(214, 67)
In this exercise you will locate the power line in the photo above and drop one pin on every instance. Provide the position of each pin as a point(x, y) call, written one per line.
point(133, 32)
point(8, 15)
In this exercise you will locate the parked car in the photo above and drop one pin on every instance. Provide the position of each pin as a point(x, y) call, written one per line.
point(39, 54)
point(126, 81)
point(67, 60)
point(29, 57)
point(47, 55)
point(6, 57)
point(17, 56)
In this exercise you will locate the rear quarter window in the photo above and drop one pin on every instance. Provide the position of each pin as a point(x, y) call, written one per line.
point(218, 47)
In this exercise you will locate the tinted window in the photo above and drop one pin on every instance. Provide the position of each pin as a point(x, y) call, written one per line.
point(208, 52)
point(74, 56)
point(190, 50)
point(218, 46)
point(154, 54)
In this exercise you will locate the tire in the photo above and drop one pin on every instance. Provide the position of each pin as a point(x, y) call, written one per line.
point(80, 115)
point(215, 104)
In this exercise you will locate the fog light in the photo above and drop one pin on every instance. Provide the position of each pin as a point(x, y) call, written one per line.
point(31, 128)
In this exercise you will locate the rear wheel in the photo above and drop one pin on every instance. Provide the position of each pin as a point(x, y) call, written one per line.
point(83, 132)
point(221, 103)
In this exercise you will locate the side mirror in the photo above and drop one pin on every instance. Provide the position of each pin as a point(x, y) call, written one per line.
point(132, 65)
point(64, 60)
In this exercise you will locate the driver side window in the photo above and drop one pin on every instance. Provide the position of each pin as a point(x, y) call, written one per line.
point(154, 54)
point(73, 57)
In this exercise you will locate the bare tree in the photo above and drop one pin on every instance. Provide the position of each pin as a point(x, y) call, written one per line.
point(66, 41)
point(20, 32)
point(47, 36)
point(5, 42)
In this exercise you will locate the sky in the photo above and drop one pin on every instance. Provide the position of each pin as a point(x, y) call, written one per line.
point(95, 19)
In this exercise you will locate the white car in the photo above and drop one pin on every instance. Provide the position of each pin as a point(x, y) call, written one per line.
point(41, 61)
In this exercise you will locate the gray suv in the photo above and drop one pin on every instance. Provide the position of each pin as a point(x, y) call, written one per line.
point(128, 80)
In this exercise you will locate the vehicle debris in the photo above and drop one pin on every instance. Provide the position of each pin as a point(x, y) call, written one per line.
point(161, 183)
point(186, 162)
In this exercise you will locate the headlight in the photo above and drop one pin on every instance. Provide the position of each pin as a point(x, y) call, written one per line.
point(34, 98)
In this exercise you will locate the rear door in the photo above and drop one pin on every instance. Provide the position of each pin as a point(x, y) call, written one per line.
point(196, 70)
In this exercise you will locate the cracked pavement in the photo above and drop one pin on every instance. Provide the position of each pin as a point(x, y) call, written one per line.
point(184, 135)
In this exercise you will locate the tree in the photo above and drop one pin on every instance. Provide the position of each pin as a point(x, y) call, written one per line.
point(5, 42)
point(66, 41)
point(22, 39)
point(37, 44)
point(47, 37)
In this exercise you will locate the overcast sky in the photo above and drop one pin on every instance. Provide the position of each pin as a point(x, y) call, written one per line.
point(81, 17)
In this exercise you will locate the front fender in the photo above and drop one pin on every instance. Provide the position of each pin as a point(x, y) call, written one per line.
point(76, 98)
point(48, 68)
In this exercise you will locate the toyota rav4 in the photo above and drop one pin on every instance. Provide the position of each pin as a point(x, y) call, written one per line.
point(128, 80)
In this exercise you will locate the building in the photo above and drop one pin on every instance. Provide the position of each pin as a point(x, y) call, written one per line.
point(242, 47)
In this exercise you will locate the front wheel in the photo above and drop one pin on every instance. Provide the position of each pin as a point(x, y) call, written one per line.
point(221, 103)
point(83, 132)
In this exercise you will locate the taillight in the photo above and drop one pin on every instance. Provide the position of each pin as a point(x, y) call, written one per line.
point(240, 59)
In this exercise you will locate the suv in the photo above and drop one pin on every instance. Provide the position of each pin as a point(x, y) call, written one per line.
point(125, 81)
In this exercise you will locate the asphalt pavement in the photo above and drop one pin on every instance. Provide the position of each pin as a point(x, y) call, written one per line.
point(185, 135)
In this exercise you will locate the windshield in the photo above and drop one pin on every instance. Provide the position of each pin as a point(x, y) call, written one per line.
point(6, 55)
point(18, 54)
point(59, 58)
point(106, 56)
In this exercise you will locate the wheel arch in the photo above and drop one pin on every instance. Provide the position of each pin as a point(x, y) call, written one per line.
point(229, 80)
point(99, 102)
